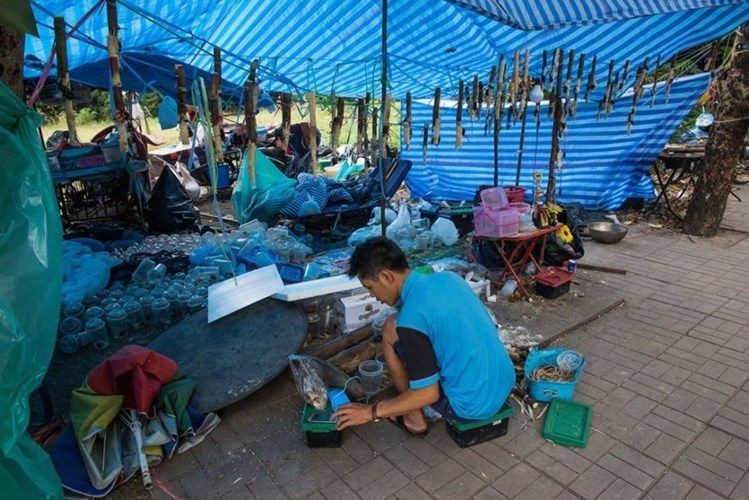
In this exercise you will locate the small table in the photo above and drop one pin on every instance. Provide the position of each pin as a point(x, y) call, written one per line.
point(681, 161)
point(521, 253)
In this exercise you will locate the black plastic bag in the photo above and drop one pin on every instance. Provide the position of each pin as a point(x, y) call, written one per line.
point(170, 208)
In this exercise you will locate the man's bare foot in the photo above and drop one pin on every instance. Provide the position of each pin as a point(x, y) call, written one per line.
point(415, 421)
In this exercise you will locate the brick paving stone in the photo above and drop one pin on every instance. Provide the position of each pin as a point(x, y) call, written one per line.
point(525, 443)
point(670, 486)
point(515, 480)
point(639, 407)
point(665, 448)
point(412, 492)
point(741, 491)
point(309, 482)
point(714, 385)
point(367, 473)
point(672, 429)
point(656, 368)
point(680, 399)
point(357, 449)
point(464, 486)
point(703, 409)
point(715, 465)
point(478, 465)
point(734, 377)
point(438, 476)
point(551, 467)
point(592, 482)
point(736, 453)
point(541, 487)
point(337, 459)
point(338, 490)
point(625, 471)
point(740, 401)
point(704, 476)
point(700, 493)
point(385, 486)
point(621, 490)
point(675, 375)
point(197, 483)
point(489, 493)
point(712, 441)
point(407, 462)
point(677, 417)
point(425, 451)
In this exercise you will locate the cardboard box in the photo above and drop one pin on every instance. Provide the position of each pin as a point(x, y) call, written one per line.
point(356, 311)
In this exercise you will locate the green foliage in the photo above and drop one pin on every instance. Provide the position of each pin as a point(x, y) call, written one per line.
point(51, 112)
point(86, 116)
point(99, 107)
point(150, 102)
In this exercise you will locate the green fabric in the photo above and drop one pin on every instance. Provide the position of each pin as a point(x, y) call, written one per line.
point(91, 412)
point(16, 15)
point(270, 192)
point(30, 283)
point(173, 400)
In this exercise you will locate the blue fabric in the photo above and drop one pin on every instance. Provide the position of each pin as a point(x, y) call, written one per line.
point(475, 371)
point(299, 44)
point(603, 166)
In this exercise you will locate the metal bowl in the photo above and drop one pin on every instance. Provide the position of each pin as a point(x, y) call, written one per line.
point(607, 232)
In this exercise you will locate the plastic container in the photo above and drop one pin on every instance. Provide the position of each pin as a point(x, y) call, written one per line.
point(145, 304)
point(522, 208)
point(155, 275)
point(70, 325)
point(183, 298)
point(90, 299)
point(370, 372)
point(567, 423)
point(141, 273)
point(160, 312)
point(319, 430)
point(545, 391)
point(94, 312)
point(117, 321)
point(553, 282)
point(195, 304)
point(172, 296)
point(494, 198)
point(495, 223)
point(514, 194)
point(76, 309)
point(97, 330)
point(290, 273)
point(135, 317)
point(70, 343)
point(467, 434)
point(222, 175)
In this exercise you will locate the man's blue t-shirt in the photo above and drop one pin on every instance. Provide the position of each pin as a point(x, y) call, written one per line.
point(468, 360)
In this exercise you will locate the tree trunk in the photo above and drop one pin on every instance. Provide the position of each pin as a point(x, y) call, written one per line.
point(730, 106)
point(11, 60)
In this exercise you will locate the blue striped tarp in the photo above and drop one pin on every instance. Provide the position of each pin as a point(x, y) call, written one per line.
point(603, 166)
point(326, 46)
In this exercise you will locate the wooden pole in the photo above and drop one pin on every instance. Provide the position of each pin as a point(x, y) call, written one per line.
point(179, 71)
point(551, 186)
point(286, 118)
point(312, 100)
point(407, 121)
point(216, 117)
point(61, 47)
point(499, 103)
point(436, 117)
point(339, 112)
point(113, 50)
point(361, 127)
point(524, 114)
point(459, 117)
point(250, 108)
point(385, 102)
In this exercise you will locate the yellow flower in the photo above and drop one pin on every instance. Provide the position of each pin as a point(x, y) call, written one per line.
point(564, 234)
point(553, 209)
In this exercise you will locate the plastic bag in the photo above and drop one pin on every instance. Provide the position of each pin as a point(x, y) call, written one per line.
point(84, 271)
point(401, 221)
point(167, 113)
point(31, 260)
point(445, 231)
point(308, 382)
point(363, 234)
point(170, 208)
point(271, 191)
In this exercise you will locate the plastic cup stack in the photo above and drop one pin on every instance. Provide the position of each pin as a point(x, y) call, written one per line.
point(97, 331)
point(117, 321)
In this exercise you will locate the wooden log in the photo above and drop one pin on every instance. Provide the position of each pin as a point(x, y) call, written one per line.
point(179, 71)
point(603, 269)
point(338, 344)
point(407, 121)
point(385, 125)
point(286, 118)
point(312, 100)
point(215, 104)
point(113, 52)
point(61, 49)
point(349, 360)
point(361, 126)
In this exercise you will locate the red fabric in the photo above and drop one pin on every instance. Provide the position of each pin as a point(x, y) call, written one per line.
point(134, 372)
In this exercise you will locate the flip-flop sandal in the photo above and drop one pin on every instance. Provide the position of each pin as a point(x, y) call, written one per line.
point(401, 424)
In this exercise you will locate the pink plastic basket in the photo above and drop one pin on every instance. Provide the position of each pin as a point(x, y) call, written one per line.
point(495, 223)
point(515, 194)
point(494, 198)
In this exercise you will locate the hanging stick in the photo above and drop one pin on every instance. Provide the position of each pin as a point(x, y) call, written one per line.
point(459, 117)
point(121, 116)
point(578, 84)
point(670, 77)
point(425, 143)
point(215, 104)
point(625, 74)
point(184, 137)
point(436, 117)
point(637, 91)
point(612, 94)
point(339, 110)
point(490, 89)
point(361, 127)
point(407, 121)
point(373, 142)
point(514, 86)
point(312, 100)
point(555, 156)
point(474, 98)
point(480, 99)
point(604, 102)
point(544, 57)
point(499, 103)
point(385, 125)
point(655, 80)
point(568, 80)
point(556, 63)
point(63, 78)
point(251, 92)
point(523, 114)
point(286, 118)
point(591, 85)
point(367, 99)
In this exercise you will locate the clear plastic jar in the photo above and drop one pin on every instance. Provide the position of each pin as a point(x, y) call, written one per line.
point(195, 304)
point(135, 317)
point(160, 312)
point(97, 330)
point(70, 325)
point(76, 309)
point(117, 321)
point(94, 312)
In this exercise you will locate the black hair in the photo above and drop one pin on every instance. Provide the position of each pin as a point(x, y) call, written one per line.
point(375, 255)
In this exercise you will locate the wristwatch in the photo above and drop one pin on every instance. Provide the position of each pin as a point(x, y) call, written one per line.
point(375, 418)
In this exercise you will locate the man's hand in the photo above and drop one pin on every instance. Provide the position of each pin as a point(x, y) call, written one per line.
point(353, 414)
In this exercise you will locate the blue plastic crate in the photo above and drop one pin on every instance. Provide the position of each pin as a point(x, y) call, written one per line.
point(290, 273)
point(544, 391)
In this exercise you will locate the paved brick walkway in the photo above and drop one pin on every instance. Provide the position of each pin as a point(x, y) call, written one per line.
point(667, 378)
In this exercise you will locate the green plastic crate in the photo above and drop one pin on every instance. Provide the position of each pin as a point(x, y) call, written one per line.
point(568, 423)
point(318, 427)
point(505, 412)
